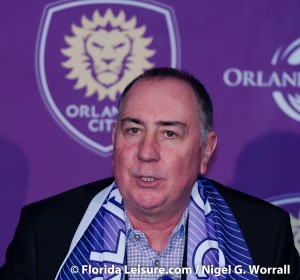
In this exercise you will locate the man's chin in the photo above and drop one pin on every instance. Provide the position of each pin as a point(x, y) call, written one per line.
point(148, 204)
point(148, 201)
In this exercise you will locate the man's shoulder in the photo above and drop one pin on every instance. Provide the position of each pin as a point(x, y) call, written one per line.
point(241, 202)
point(265, 227)
point(46, 229)
point(261, 223)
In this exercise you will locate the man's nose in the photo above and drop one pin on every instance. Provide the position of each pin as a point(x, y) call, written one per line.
point(149, 149)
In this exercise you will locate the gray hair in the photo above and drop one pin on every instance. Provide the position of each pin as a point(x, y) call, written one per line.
point(203, 98)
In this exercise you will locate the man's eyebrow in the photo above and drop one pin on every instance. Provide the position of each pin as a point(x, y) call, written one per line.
point(134, 120)
point(158, 123)
point(170, 123)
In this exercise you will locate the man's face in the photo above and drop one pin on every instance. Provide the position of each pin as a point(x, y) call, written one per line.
point(157, 146)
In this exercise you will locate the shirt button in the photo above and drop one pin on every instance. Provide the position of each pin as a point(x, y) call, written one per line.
point(156, 263)
point(137, 237)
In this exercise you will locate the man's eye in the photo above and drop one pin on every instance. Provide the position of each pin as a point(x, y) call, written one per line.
point(133, 130)
point(169, 134)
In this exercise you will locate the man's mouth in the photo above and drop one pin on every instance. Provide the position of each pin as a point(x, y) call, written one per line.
point(147, 179)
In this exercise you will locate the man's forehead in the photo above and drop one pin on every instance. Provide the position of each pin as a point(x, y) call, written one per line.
point(157, 81)
point(173, 123)
point(161, 102)
point(163, 87)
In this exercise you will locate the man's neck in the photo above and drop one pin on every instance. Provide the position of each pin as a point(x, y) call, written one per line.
point(157, 232)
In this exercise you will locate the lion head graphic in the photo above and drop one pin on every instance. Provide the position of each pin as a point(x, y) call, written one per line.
point(296, 230)
point(106, 53)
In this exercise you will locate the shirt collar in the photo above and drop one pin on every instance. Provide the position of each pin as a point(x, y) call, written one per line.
point(178, 231)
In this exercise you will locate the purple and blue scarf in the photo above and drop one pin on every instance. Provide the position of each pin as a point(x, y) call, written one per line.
point(214, 239)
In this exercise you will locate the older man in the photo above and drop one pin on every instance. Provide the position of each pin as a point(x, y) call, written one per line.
point(159, 215)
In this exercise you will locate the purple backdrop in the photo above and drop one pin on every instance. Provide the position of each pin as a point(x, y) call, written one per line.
point(55, 135)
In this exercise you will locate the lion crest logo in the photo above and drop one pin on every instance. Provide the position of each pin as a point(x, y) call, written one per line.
point(296, 230)
point(106, 52)
point(88, 51)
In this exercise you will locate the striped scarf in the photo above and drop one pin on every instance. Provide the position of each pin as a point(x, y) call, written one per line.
point(216, 248)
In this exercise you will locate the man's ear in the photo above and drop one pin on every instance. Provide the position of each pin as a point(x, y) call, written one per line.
point(114, 132)
point(207, 150)
point(113, 138)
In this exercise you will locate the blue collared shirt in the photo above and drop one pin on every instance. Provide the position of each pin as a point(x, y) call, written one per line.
point(140, 254)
